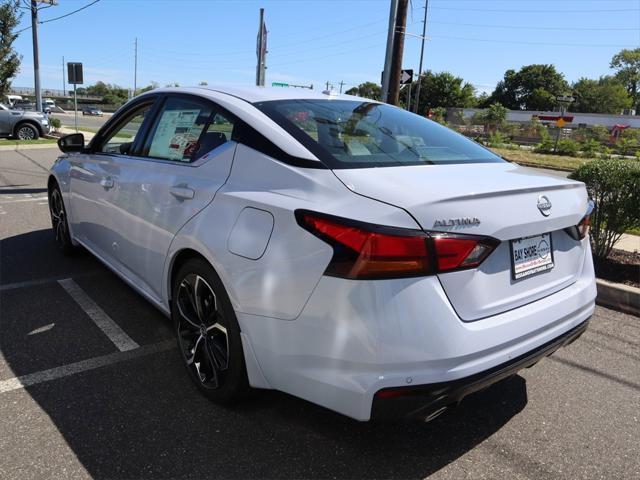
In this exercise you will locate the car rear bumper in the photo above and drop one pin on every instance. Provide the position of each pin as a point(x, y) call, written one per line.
point(423, 401)
point(356, 338)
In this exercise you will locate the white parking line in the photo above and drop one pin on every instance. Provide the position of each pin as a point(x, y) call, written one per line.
point(110, 328)
point(24, 200)
point(24, 381)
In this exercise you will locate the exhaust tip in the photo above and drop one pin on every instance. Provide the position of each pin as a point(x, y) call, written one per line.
point(435, 414)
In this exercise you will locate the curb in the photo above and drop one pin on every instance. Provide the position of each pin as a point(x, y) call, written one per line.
point(12, 148)
point(623, 298)
point(546, 167)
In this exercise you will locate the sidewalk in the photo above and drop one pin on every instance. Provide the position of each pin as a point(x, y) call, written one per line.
point(629, 243)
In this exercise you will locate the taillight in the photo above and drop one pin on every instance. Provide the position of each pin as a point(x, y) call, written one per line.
point(365, 251)
point(581, 230)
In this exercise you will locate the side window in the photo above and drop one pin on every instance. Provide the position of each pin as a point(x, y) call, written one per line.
point(122, 138)
point(218, 132)
point(178, 129)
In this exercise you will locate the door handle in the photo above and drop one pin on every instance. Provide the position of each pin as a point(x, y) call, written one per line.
point(107, 183)
point(182, 193)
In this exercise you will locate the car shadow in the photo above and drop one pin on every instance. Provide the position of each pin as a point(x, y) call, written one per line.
point(34, 256)
point(142, 418)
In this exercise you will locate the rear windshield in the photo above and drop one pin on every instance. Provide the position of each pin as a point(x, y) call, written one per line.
point(353, 134)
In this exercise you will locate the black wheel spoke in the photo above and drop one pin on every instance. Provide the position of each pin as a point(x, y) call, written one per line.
point(202, 337)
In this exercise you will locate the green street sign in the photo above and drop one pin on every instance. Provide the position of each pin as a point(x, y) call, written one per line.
point(279, 84)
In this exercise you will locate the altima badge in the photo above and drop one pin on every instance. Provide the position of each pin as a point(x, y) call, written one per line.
point(544, 205)
point(457, 222)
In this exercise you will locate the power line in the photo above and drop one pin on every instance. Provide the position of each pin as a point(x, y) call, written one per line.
point(58, 18)
point(70, 13)
point(555, 11)
point(527, 27)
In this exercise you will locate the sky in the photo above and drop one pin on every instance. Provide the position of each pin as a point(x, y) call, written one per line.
point(315, 41)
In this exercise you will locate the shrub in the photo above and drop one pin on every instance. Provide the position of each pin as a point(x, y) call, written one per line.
point(496, 139)
point(626, 145)
point(546, 144)
point(590, 148)
point(55, 123)
point(568, 147)
point(615, 187)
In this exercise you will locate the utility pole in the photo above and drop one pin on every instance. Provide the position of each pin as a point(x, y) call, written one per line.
point(64, 84)
point(328, 85)
point(261, 51)
point(424, 33)
point(389, 51)
point(398, 50)
point(36, 60)
point(341, 85)
point(135, 68)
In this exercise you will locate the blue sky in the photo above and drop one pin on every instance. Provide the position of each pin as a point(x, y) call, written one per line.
point(188, 41)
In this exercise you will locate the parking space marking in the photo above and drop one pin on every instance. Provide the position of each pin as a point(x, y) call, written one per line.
point(21, 200)
point(104, 322)
point(24, 381)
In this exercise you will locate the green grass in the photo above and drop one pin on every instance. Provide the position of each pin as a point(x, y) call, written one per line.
point(527, 157)
point(12, 141)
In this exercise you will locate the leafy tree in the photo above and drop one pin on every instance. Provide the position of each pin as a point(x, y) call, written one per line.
point(366, 90)
point(606, 95)
point(151, 86)
point(627, 66)
point(441, 89)
point(493, 117)
point(9, 59)
point(533, 87)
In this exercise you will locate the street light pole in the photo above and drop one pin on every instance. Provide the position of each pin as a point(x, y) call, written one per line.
point(36, 60)
point(424, 32)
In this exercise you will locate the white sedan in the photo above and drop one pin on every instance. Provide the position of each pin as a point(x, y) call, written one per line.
point(332, 247)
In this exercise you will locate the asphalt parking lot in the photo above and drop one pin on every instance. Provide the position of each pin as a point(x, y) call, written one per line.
point(91, 386)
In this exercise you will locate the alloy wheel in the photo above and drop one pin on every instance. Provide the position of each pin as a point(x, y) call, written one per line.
point(26, 133)
point(58, 220)
point(203, 338)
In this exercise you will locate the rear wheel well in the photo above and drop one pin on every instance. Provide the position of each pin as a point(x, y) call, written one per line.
point(180, 259)
point(52, 182)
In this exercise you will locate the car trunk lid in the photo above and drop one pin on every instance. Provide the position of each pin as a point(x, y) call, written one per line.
point(501, 200)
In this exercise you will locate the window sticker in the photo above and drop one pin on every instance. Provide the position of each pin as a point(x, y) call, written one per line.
point(175, 137)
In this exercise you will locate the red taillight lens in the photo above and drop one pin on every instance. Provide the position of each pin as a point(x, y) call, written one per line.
point(366, 251)
point(362, 253)
point(456, 252)
point(581, 230)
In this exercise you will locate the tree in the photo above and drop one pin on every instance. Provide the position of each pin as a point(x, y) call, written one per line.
point(9, 59)
point(606, 95)
point(533, 87)
point(493, 117)
point(366, 90)
point(441, 89)
point(627, 66)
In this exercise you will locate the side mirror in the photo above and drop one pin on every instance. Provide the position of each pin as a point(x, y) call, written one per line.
point(72, 143)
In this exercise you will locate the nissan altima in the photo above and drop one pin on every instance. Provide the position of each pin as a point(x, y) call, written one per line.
point(332, 247)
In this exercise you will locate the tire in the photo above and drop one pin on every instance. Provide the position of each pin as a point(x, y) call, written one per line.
point(208, 333)
point(26, 131)
point(59, 222)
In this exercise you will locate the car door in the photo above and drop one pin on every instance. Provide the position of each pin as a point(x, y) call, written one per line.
point(6, 122)
point(94, 179)
point(186, 158)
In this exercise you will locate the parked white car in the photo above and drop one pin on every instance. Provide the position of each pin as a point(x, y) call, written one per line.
point(332, 247)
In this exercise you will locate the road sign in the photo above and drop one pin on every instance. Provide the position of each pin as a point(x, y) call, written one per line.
point(74, 73)
point(561, 122)
point(279, 84)
point(406, 76)
point(565, 98)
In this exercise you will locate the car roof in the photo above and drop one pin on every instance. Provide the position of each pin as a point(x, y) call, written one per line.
point(254, 94)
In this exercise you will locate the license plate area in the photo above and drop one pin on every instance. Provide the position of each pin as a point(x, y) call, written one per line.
point(531, 256)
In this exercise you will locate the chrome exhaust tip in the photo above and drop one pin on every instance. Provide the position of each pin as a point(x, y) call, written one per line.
point(434, 415)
